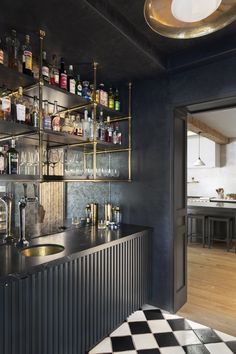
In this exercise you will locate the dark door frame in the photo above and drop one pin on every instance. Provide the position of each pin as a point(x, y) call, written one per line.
point(179, 211)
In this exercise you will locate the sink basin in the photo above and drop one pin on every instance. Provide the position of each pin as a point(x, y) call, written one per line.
point(42, 250)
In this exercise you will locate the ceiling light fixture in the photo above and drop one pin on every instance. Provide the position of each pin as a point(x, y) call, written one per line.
point(184, 19)
point(199, 162)
point(194, 10)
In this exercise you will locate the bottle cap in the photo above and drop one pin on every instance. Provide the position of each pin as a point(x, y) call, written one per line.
point(70, 67)
point(13, 143)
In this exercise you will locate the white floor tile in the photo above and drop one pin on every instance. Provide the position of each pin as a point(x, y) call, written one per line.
point(172, 350)
point(186, 337)
point(103, 347)
point(144, 341)
point(123, 330)
point(149, 307)
point(169, 316)
point(127, 352)
point(137, 317)
point(195, 325)
point(225, 337)
point(159, 326)
point(218, 348)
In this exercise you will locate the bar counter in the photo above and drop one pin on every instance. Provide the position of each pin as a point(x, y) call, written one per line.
point(69, 301)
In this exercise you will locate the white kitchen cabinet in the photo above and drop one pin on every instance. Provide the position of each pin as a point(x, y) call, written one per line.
point(209, 152)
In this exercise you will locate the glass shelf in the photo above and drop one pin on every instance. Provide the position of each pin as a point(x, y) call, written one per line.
point(11, 79)
point(19, 178)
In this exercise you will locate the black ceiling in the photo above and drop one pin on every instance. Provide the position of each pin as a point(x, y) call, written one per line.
point(112, 32)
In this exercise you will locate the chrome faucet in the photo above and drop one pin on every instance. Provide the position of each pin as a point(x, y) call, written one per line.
point(22, 242)
point(7, 201)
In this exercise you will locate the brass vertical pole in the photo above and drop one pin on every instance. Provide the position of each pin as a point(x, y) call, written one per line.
point(130, 133)
point(41, 37)
point(94, 120)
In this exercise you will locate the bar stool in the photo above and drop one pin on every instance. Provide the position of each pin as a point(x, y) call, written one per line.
point(229, 230)
point(194, 218)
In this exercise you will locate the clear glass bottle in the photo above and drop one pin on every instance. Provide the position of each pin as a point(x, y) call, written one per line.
point(20, 106)
point(71, 80)
point(101, 127)
point(27, 57)
point(56, 120)
point(2, 161)
point(47, 121)
point(86, 125)
point(78, 127)
point(68, 126)
point(12, 159)
point(54, 72)
point(13, 46)
point(45, 68)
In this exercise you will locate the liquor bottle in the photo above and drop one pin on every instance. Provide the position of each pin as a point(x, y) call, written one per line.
point(35, 113)
point(79, 87)
point(85, 90)
point(28, 109)
point(111, 99)
point(55, 117)
point(20, 107)
point(45, 68)
point(2, 161)
point(1, 53)
point(117, 135)
point(71, 80)
point(86, 125)
point(54, 72)
point(78, 126)
point(27, 57)
point(117, 101)
point(5, 108)
point(47, 122)
point(101, 127)
point(13, 46)
point(12, 159)
point(108, 135)
point(63, 75)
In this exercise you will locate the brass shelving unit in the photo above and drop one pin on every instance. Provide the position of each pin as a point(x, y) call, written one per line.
point(67, 103)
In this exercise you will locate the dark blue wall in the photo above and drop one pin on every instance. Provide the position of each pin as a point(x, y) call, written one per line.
point(147, 200)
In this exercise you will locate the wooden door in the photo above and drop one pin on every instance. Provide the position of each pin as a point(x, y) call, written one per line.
point(180, 208)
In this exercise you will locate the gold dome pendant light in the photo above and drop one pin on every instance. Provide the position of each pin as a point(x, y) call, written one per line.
point(184, 19)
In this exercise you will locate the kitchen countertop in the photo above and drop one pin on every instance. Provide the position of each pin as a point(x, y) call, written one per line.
point(207, 204)
point(77, 242)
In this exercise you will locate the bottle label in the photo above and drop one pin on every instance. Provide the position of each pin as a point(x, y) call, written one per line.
point(13, 164)
point(56, 123)
point(47, 123)
point(20, 112)
point(63, 81)
point(2, 165)
point(117, 105)
point(79, 90)
point(27, 56)
point(56, 78)
point(103, 98)
point(6, 104)
point(1, 56)
point(72, 86)
point(111, 103)
point(45, 72)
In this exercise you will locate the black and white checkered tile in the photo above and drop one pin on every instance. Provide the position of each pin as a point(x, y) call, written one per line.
point(152, 331)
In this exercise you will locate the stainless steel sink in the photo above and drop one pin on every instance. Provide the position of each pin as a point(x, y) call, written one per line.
point(42, 250)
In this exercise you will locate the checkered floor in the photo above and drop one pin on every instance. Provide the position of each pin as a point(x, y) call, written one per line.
point(152, 331)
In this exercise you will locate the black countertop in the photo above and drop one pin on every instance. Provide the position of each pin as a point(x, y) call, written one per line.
point(77, 242)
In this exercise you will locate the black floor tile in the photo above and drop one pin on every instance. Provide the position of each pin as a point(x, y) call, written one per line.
point(153, 315)
point(166, 339)
point(139, 327)
point(232, 346)
point(179, 324)
point(122, 343)
point(149, 351)
point(196, 349)
point(207, 335)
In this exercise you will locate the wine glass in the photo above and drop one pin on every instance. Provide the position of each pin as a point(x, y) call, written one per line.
point(53, 159)
point(23, 162)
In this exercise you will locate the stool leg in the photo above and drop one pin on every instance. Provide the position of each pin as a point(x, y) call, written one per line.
point(203, 232)
point(209, 233)
point(227, 235)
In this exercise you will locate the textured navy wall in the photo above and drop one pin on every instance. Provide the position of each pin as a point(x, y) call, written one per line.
point(148, 199)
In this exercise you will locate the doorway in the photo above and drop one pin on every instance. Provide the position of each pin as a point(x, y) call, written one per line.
point(211, 275)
